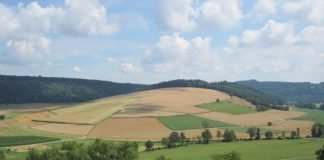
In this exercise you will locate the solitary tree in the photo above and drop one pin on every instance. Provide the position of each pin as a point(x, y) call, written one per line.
point(206, 136)
point(149, 145)
point(217, 100)
point(293, 135)
point(322, 106)
point(258, 134)
point(320, 153)
point(268, 135)
point(298, 133)
point(251, 132)
point(205, 124)
point(182, 138)
point(283, 134)
point(165, 142)
point(229, 135)
point(174, 138)
point(2, 117)
point(317, 130)
point(218, 134)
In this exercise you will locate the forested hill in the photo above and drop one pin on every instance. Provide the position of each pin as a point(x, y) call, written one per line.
point(260, 99)
point(290, 91)
point(26, 89)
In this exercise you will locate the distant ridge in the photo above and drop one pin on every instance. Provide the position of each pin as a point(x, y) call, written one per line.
point(28, 89)
point(292, 92)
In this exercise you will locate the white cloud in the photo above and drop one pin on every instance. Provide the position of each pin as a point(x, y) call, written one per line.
point(263, 8)
point(76, 69)
point(25, 29)
point(177, 15)
point(309, 11)
point(85, 17)
point(271, 33)
point(130, 67)
point(188, 15)
point(176, 57)
point(220, 13)
point(276, 51)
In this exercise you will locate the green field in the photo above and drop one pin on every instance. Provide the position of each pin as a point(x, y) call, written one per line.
point(250, 150)
point(23, 140)
point(184, 122)
point(227, 107)
point(312, 115)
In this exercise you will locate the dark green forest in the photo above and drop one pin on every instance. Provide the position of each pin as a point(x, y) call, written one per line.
point(292, 92)
point(26, 89)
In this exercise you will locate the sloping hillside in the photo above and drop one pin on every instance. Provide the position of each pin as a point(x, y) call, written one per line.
point(26, 89)
point(292, 92)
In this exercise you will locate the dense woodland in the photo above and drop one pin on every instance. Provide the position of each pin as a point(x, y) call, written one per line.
point(292, 92)
point(26, 89)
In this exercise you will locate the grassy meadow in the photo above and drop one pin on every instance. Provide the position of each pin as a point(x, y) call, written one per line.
point(23, 140)
point(303, 149)
point(227, 107)
point(311, 115)
point(184, 122)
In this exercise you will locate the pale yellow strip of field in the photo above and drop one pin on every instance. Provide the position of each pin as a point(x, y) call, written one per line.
point(91, 112)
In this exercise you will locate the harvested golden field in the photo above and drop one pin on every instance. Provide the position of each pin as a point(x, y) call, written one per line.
point(29, 117)
point(128, 113)
point(90, 112)
point(63, 128)
point(177, 100)
point(289, 125)
point(137, 129)
point(252, 119)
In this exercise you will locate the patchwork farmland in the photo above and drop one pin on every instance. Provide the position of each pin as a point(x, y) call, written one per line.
point(149, 115)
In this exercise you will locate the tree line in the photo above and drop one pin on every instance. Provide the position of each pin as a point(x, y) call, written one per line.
point(291, 92)
point(26, 89)
point(98, 150)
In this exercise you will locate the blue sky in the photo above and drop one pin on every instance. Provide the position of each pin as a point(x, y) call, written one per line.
point(149, 41)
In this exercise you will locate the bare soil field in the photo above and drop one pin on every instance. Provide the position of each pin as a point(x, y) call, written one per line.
point(253, 119)
point(289, 125)
point(137, 129)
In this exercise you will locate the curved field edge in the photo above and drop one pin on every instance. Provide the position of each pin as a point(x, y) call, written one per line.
point(227, 107)
point(185, 122)
point(311, 115)
point(249, 150)
point(24, 140)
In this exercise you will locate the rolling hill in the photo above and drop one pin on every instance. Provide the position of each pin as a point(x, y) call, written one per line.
point(292, 92)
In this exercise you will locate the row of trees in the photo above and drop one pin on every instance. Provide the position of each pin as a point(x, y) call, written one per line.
point(98, 150)
point(309, 105)
point(226, 156)
point(175, 139)
point(255, 134)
